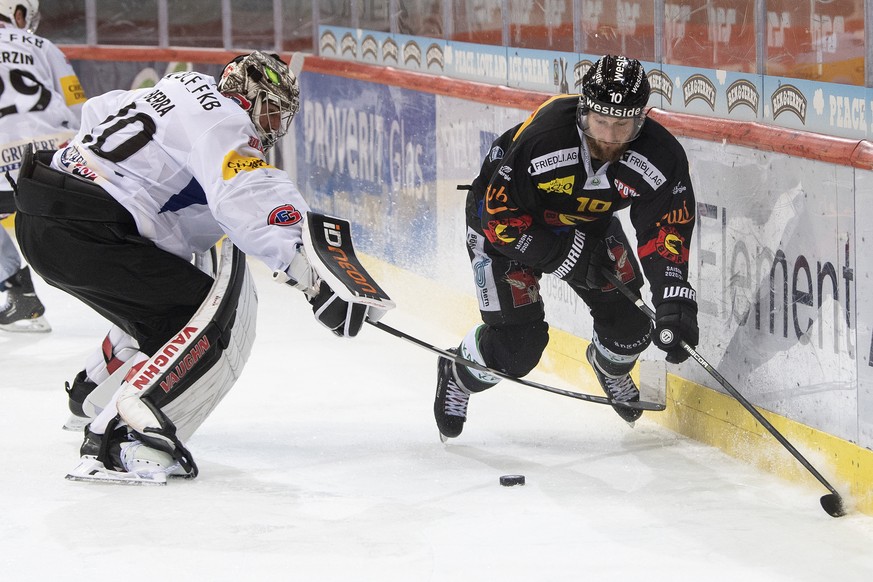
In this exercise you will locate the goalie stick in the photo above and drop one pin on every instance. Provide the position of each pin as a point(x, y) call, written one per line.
point(640, 405)
point(832, 503)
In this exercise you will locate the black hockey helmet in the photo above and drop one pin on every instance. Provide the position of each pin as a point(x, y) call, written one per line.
point(614, 86)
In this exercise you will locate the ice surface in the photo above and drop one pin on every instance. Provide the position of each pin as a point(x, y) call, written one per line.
point(324, 464)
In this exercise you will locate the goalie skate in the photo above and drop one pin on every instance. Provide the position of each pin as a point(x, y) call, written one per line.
point(144, 465)
point(90, 469)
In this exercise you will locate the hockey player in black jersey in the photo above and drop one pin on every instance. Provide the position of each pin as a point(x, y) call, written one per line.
point(544, 202)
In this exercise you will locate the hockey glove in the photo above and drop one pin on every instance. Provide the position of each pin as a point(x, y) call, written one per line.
point(588, 271)
point(676, 321)
point(341, 317)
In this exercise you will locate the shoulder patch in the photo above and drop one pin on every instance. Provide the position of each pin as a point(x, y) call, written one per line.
point(73, 93)
point(641, 165)
point(554, 160)
point(234, 163)
point(284, 215)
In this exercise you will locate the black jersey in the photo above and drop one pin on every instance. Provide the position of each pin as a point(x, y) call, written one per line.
point(540, 196)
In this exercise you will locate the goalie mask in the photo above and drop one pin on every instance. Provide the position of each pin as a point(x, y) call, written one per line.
point(615, 87)
point(31, 12)
point(264, 86)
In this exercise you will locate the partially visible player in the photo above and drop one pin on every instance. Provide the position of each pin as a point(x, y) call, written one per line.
point(40, 101)
point(154, 177)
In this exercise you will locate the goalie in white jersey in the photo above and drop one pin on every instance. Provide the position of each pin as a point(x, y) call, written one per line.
point(154, 177)
point(40, 102)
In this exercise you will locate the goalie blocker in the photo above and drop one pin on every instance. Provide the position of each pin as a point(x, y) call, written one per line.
point(165, 398)
point(347, 294)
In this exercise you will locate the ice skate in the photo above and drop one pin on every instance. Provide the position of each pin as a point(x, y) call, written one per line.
point(450, 404)
point(131, 462)
point(20, 308)
point(620, 388)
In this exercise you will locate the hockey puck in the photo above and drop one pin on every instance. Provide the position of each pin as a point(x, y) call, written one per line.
point(510, 480)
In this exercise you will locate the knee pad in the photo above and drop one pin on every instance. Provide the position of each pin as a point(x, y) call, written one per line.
point(514, 349)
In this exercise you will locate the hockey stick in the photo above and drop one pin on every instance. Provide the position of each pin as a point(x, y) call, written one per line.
point(832, 503)
point(641, 405)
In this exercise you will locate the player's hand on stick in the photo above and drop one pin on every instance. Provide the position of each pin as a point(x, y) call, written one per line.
point(675, 322)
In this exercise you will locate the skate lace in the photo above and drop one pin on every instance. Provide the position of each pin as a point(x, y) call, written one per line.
point(456, 400)
point(621, 388)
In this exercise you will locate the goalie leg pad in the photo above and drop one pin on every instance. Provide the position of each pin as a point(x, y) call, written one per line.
point(165, 398)
point(187, 378)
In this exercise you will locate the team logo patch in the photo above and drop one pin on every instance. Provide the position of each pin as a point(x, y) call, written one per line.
point(669, 244)
point(234, 163)
point(623, 268)
point(284, 215)
point(503, 232)
point(524, 286)
point(558, 185)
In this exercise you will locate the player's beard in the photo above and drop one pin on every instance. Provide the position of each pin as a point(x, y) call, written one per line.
point(606, 152)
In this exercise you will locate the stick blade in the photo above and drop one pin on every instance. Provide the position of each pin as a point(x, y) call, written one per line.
point(641, 405)
point(833, 505)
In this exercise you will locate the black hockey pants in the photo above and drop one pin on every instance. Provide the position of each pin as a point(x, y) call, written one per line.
point(81, 240)
point(512, 308)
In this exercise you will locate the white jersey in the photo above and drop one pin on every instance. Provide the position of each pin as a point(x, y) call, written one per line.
point(40, 97)
point(187, 163)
